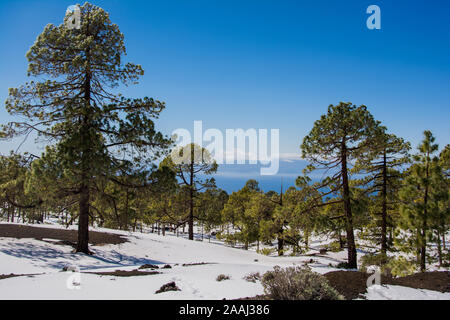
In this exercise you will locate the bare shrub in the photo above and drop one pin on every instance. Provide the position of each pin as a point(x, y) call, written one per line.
point(297, 283)
point(222, 277)
point(253, 277)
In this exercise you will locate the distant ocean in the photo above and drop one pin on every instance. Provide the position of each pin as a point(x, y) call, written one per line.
point(232, 177)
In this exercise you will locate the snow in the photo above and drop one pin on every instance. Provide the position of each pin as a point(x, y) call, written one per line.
point(46, 259)
point(391, 292)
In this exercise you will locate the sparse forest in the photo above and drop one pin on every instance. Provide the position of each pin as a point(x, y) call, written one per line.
point(106, 164)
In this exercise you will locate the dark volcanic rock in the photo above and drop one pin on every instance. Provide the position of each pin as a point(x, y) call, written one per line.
point(171, 286)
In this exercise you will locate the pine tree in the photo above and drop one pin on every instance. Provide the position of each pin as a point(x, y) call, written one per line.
point(279, 220)
point(444, 159)
point(336, 139)
point(420, 196)
point(259, 211)
point(13, 175)
point(238, 212)
point(209, 210)
point(442, 214)
point(189, 163)
point(300, 215)
point(72, 104)
point(382, 167)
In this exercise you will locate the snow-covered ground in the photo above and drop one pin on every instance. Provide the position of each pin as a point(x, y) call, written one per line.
point(46, 260)
point(390, 292)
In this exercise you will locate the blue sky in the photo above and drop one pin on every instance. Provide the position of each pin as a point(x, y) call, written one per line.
point(266, 64)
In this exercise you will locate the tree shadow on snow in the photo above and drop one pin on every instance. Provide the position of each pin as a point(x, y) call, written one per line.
point(46, 256)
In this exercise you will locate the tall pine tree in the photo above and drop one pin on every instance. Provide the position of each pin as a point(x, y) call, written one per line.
point(72, 103)
point(338, 138)
point(420, 197)
point(382, 167)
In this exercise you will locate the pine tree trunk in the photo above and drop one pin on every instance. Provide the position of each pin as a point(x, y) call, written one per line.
point(91, 220)
point(280, 246)
point(341, 241)
point(126, 211)
point(191, 219)
point(12, 211)
point(351, 246)
point(423, 241)
point(191, 203)
point(83, 221)
point(384, 212)
point(439, 248)
point(281, 231)
point(423, 251)
point(418, 246)
point(202, 230)
point(307, 240)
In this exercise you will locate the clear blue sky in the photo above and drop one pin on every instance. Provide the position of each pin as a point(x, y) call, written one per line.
point(267, 64)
